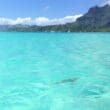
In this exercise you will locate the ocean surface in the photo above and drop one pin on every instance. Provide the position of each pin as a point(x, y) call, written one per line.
point(54, 71)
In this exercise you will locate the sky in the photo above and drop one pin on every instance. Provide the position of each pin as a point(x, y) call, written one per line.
point(44, 11)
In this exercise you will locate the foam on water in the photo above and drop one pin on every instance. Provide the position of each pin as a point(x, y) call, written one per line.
point(54, 71)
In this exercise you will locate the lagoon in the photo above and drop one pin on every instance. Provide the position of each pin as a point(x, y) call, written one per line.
point(54, 71)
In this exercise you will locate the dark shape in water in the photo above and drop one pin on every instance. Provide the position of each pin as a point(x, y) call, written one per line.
point(70, 80)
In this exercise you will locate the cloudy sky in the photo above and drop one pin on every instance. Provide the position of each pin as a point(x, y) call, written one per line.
point(44, 12)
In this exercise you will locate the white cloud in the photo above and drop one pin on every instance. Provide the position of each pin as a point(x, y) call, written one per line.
point(42, 21)
point(106, 2)
point(46, 8)
point(7, 21)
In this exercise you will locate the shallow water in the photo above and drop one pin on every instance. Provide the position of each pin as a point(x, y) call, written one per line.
point(54, 71)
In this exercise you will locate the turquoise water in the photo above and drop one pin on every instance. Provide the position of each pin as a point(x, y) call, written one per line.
point(54, 71)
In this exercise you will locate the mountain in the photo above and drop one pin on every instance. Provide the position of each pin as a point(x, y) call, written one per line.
point(96, 16)
point(96, 19)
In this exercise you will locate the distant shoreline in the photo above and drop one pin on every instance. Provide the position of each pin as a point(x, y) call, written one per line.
point(97, 19)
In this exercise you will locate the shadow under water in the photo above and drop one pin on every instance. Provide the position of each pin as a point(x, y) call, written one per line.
point(70, 80)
